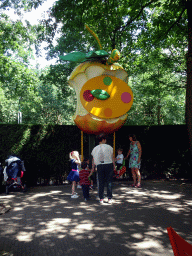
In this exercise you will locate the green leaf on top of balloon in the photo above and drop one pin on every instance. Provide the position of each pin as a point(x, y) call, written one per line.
point(74, 56)
point(97, 54)
point(81, 57)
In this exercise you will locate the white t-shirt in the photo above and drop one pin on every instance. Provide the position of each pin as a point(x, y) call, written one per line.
point(120, 159)
point(102, 154)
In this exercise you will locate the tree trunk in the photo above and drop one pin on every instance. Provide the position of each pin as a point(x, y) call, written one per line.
point(189, 76)
point(159, 112)
point(159, 102)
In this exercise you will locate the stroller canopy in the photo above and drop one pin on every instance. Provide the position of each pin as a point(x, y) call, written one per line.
point(13, 167)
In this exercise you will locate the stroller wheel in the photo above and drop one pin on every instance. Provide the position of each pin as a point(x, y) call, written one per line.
point(7, 190)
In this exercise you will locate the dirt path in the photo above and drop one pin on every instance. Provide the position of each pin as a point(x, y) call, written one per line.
point(46, 221)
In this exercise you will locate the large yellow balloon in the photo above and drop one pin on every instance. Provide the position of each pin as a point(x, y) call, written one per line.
point(103, 96)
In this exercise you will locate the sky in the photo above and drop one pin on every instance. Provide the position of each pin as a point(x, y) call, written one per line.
point(33, 17)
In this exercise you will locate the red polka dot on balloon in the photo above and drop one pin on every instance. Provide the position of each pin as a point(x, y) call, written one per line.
point(126, 97)
point(88, 96)
point(108, 112)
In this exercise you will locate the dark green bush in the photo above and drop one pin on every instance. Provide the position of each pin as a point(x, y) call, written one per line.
point(45, 149)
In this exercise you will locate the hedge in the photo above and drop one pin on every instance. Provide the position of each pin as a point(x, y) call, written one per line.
point(45, 149)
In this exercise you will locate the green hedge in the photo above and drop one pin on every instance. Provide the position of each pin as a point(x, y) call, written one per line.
point(165, 149)
point(45, 149)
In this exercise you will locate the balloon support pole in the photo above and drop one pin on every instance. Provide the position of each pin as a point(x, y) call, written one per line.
point(114, 144)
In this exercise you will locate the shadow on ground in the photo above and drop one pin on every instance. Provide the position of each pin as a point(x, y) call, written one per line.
point(46, 221)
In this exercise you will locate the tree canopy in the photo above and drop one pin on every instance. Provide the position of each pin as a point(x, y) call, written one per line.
point(23, 87)
point(152, 36)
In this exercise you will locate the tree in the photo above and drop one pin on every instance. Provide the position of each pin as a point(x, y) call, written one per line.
point(58, 99)
point(189, 74)
point(151, 35)
point(17, 80)
point(37, 94)
point(159, 88)
point(20, 5)
point(136, 28)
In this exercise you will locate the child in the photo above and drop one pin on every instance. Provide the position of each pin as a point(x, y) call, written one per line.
point(74, 173)
point(84, 181)
point(119, 159)
point(91, 177)
point(82, 159)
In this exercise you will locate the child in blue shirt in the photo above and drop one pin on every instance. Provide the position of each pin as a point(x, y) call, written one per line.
point(74, 173)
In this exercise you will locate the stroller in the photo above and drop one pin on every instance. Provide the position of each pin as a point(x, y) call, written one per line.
point(13, 172)
point(122, 170)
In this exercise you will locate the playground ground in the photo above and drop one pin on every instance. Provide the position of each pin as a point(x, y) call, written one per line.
point(46, 221)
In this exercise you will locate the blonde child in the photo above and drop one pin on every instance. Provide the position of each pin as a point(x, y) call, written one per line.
point(74, 173)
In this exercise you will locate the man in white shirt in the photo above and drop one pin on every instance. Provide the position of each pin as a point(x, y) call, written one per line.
point(104, 160)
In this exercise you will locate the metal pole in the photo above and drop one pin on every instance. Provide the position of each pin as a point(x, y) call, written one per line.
point(114, 144)
point(81, 146)
point(19, 116)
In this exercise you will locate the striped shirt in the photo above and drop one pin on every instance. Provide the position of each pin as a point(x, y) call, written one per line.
point(83, 175)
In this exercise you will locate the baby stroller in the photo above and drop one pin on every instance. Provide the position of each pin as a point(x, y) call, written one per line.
point(13, 172)
point(122, 170)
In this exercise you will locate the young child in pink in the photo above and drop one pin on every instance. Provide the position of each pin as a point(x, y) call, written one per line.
point(84, 181)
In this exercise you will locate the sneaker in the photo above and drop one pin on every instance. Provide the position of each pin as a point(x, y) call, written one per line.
point(78, 186)
point(74, 196)
point(101, 201)
point(110, 201)
point(86, 199)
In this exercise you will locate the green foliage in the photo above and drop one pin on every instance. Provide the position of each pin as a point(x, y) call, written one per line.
point(159, 90)
point(19, 5)
point(18, 83)
point(16, 39)
point(40, 96)
point(127, 25)
point(58, 99)
point(152, 38)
